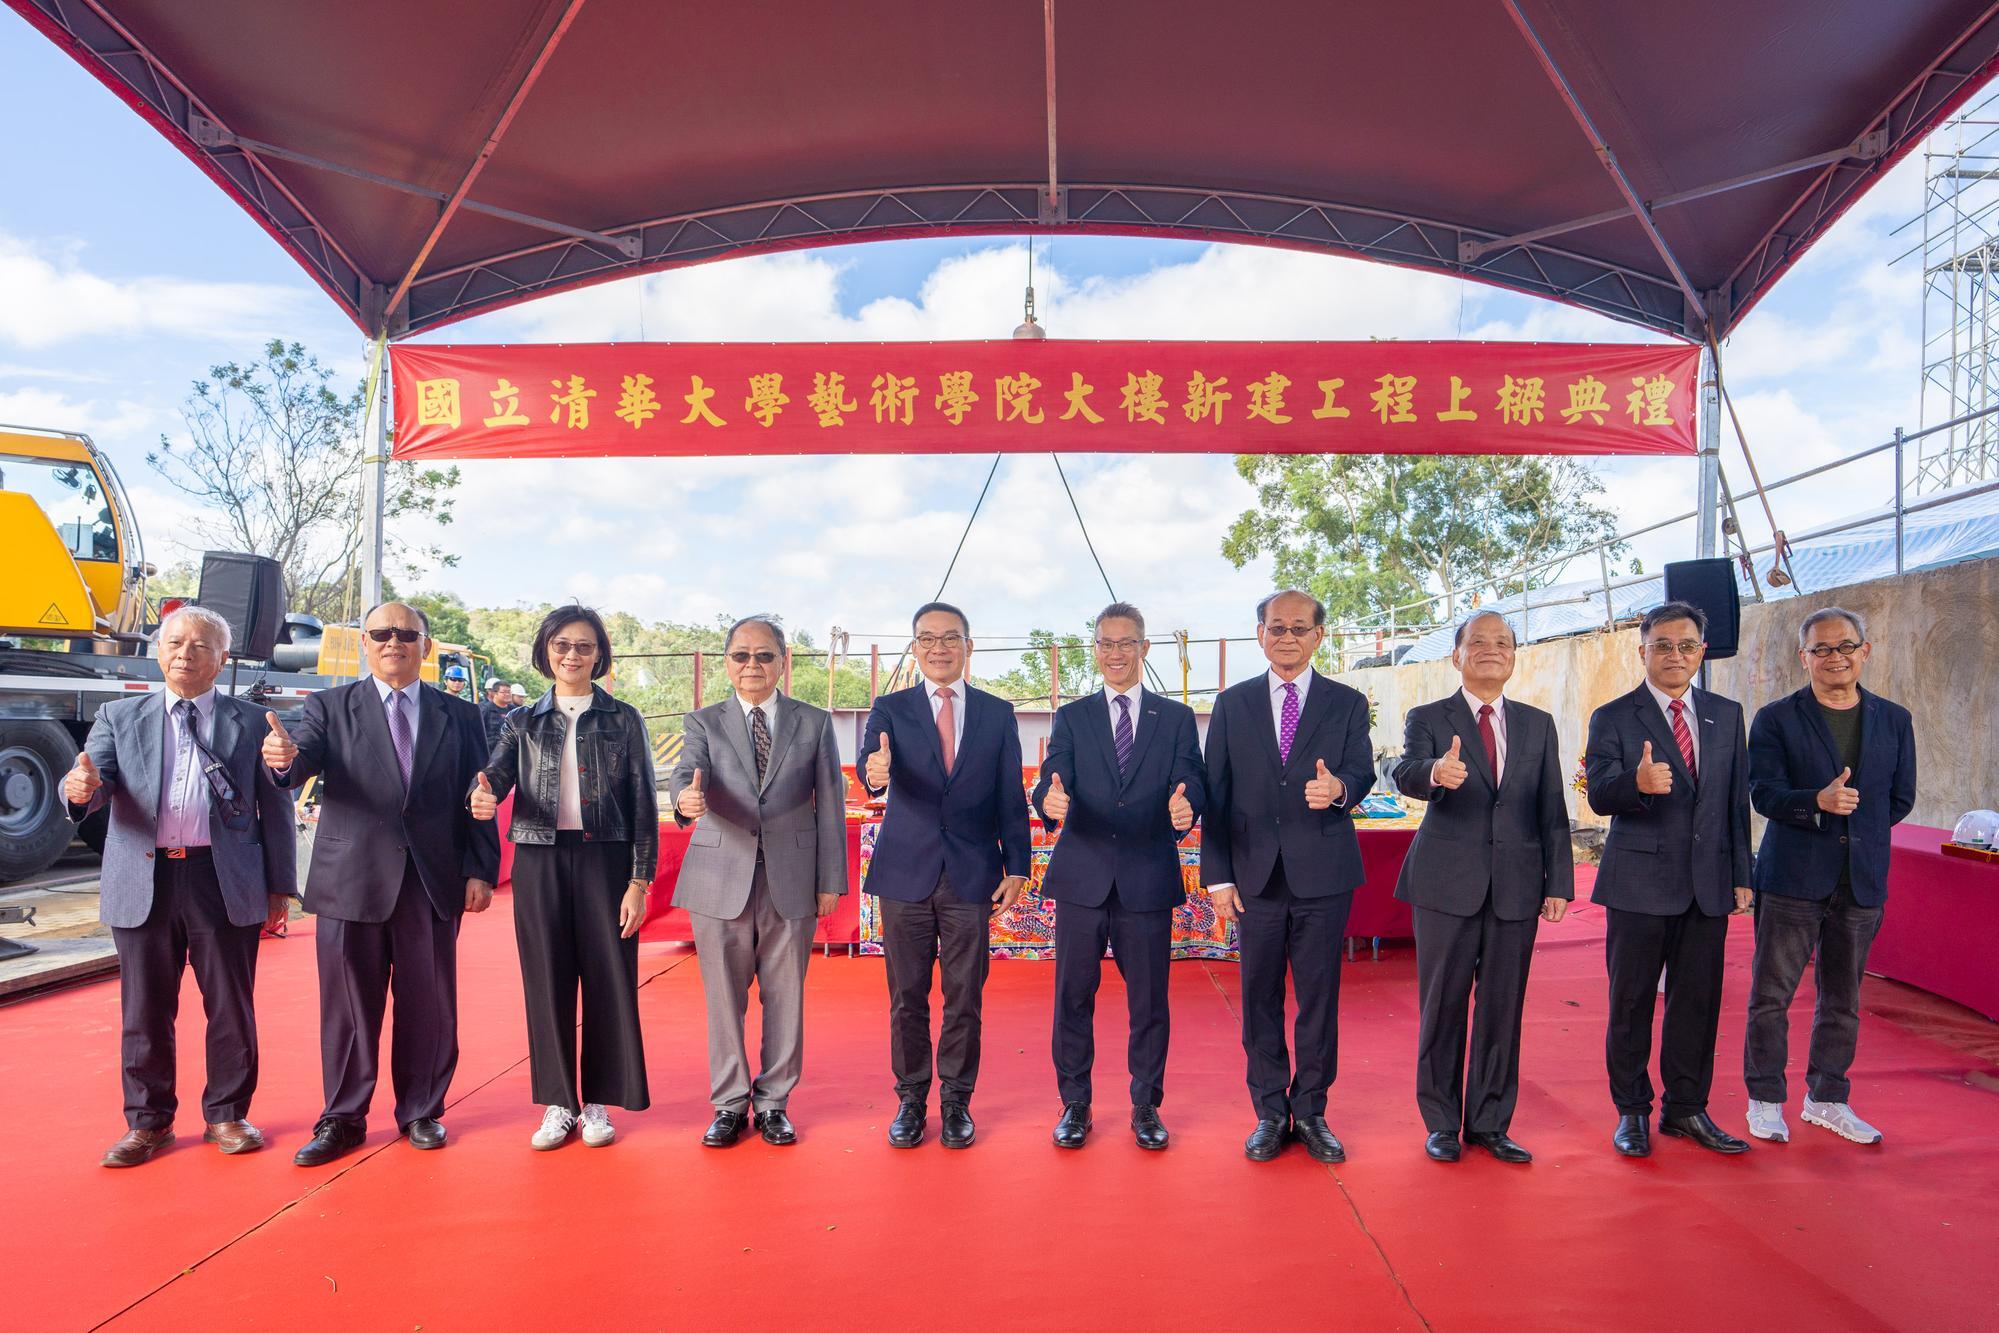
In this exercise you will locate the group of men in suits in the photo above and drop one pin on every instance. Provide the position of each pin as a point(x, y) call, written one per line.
point(199, 859)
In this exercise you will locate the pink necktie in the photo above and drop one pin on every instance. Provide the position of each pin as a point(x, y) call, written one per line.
point(947, 726)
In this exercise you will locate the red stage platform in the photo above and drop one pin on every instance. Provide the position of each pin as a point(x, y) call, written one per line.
point(843, 1232)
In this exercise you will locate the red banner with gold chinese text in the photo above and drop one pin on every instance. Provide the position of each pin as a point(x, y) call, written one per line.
point(1057, 395)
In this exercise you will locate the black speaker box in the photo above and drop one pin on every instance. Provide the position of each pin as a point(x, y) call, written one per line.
point(1710, 585)
point(248, 591)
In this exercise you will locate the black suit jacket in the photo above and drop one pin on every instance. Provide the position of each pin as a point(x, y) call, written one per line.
point(1118, 834)
point(1791, 757)
point(970, 823)
point(367, 828)
point(1256, 805)
point(1511, 837)
point(1666, 853)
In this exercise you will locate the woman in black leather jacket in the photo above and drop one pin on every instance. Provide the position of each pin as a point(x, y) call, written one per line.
point(586, 834)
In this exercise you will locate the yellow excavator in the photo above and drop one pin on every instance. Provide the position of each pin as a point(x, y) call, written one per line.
point(76, 626)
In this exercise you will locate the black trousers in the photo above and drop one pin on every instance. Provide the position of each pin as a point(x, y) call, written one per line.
point(1789, 932)
point(1142, 946)
point(415, 954)
point(1456, 955)
point(943, 933)
point(1278, 930)
point(566, 900)
point(1690, 947)
point(188, 924)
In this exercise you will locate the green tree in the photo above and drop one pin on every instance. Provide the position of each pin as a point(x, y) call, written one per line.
point(273, 454)
point(1029, 680)
point(1366, 532)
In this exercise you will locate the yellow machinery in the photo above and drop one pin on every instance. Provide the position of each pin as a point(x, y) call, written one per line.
point(74, 565)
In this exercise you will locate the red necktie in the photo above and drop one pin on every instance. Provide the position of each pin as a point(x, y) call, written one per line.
point(1485, 733)
point(1684, 737)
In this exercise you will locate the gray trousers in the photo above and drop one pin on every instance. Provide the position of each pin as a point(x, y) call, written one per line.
point(1788, 932)
point(758, 944)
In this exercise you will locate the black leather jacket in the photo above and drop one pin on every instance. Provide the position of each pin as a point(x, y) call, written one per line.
point(613, 774)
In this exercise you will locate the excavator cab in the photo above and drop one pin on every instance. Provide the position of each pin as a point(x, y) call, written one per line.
point(75, 566)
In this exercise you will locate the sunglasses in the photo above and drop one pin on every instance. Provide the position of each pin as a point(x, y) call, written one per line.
point(1292, 631)
point(764, 656)
point(399, 635)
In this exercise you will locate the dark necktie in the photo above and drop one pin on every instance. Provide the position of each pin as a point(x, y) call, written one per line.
point(1491, 739)
point(399, 732)
point(1287, 722)
point(1684, 737)
point(1121, 734)
point(760, 738)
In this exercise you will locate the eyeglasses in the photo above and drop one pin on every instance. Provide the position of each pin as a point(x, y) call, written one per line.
point(1667, 648)
point(763, 656)
point(1290, 631)
point(398, 634)
point(1845, 648)
point(928, 641)
point(570, 648)
point(1118, 645)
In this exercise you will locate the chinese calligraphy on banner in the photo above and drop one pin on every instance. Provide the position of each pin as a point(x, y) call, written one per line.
point(692, 399)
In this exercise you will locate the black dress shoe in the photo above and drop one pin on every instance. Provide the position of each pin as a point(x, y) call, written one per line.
point(1266, 1140)
point(1442, 1147)
point(776, 1127)
point(1317, 1136)
point(426, 1134)
point(1500, 1146)
point(1147, 1128)
point(332, 1138)
point(1074, 1126)
point(907, 1129)
point(724, 1129)
point(958, 1128)
point(1632, 1138)
point(1702, 1130)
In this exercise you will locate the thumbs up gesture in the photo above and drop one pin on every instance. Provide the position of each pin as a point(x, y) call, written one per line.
point(484, 803)
point(1655, 778)
point(1323, 789)
point(1055, 802)
point(1450, 772)
point(1836, 798)
point(878, 765)
point(82, 781)
point(1180, 810)
point(691, 803)
point(278, 748)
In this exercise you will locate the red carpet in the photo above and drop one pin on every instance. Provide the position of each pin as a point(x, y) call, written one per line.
point(843, 1232)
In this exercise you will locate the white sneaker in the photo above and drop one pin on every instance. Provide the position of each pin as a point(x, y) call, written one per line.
point(1840, 1119)
point(1766, 1121)
point(597, 1127)
point(556, 1122)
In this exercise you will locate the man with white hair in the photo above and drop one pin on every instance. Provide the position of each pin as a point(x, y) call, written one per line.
point(197, 859)
point(1833, 768)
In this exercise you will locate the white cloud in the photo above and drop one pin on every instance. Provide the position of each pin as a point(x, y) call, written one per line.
point(47, 299)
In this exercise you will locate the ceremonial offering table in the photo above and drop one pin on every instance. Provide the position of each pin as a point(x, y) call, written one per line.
point(665, 922)
point(1940, 931)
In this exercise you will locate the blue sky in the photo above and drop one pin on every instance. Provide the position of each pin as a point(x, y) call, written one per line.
point(124, 274)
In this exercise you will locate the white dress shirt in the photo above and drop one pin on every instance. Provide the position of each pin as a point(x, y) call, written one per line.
point(1136, 694)
point(930, 688)
point(769, 709)
point(1277, 684)
point(1665, 702)
point(1473, 702)
point(412, 706)
point(183, 810)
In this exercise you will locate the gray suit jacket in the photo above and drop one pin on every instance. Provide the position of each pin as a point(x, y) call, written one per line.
point(253, 858)
point(798, 817)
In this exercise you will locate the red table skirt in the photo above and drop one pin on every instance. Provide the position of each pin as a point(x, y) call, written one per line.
point(669, 923)
point(1941, 929)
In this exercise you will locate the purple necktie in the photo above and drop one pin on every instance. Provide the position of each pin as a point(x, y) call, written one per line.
point(1121, 734)
point(1287, 722)
point(399, 732)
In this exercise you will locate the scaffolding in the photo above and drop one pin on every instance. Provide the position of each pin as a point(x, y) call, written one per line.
point(1960, 348)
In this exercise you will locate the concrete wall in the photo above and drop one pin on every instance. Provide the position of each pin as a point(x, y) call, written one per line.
point(1936, 652)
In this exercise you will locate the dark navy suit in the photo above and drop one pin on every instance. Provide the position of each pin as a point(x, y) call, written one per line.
point(1670, 868)
point(1115, 877)
point(946, 841)
point(1296, 869)
point(1486, 857)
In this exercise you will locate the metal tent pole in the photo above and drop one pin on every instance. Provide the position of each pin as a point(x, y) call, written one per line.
point(374, 472)
point(1707, 491)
